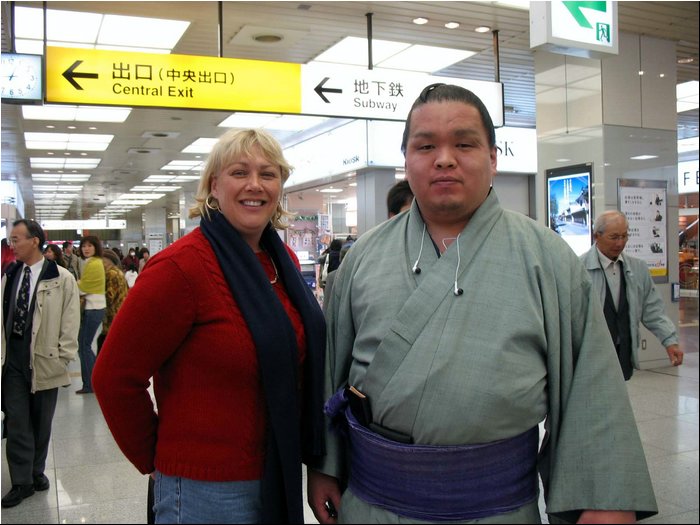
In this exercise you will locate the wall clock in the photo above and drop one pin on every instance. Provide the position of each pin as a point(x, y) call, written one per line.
point(22, 78)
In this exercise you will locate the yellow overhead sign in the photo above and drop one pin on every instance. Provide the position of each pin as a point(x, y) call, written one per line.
point(92, 76)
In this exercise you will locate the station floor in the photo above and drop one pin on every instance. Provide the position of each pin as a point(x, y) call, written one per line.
point(92, 482)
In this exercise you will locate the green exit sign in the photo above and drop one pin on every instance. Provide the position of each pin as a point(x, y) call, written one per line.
point(587, 29)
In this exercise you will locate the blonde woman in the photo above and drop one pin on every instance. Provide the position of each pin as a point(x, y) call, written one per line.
point(235, 342)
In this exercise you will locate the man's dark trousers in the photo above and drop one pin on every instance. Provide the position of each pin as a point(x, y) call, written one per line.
point(28, 416)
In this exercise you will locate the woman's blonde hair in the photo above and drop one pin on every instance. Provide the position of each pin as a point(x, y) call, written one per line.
point(233, 145)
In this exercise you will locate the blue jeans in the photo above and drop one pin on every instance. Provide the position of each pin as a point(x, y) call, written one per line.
point(183, 500)
point(88, 328)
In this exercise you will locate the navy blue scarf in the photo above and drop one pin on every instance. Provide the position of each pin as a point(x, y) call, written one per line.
point(289, 440)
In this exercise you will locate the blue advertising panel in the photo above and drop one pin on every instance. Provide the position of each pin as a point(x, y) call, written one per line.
point(568, 205)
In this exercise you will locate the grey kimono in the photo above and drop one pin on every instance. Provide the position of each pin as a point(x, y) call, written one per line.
point(525, 341)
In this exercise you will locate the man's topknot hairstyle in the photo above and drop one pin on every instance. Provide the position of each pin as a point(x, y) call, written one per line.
point(450, 93)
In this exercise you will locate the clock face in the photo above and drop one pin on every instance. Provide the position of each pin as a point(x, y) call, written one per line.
point(21, 77)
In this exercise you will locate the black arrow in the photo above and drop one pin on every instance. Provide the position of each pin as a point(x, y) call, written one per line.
point(71, 75)
point(321, 90)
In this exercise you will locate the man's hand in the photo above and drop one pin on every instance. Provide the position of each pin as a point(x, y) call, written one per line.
point(675, 355)
point(323, 496)
point(607, 516)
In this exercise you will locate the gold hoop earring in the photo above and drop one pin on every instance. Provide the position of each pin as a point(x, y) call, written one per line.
point(209, 205)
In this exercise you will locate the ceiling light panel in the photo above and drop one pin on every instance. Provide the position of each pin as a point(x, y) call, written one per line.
point(201, 145)
point(73, 163)
point(60, 177)
point(295, 123)
point(425, 58)
point(141, 196)
point(183, 165)
point(67, 141)
point(155, 188)
point(352, 50)
point(84, 29)
point(72, 26)
point(55, 187)
point(248, 120)
point(142, 32)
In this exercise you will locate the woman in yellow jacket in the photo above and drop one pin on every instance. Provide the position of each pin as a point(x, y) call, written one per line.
point(92, 291)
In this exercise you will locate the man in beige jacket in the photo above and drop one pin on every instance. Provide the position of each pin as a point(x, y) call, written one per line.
point(41, 320)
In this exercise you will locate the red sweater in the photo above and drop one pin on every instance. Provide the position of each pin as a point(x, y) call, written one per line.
point(180, 325)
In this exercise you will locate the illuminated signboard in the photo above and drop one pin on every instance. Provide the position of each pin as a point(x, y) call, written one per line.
point(585, 29)
point(569, 205)
point(90, 76)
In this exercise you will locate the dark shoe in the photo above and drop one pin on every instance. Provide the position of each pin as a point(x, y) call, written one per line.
point(83, 391)
point(17, 495)
point(41, 482)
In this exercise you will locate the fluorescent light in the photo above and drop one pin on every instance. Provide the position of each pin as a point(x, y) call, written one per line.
point(141, 32)
point(29, 23)
point(59, 177)
point(142, 196)
point(71, 26)
point(687, 96)
point(101, 114)
point(171, 178)
point(295, 122)
point(159, 178)
point(32, 47)
point(644, 157)
point(183, 165)
point(155, 188)
point(393, 55)
point(55, 187)
point(129, 202)
point(425, 58)
point(91, 30)
point(201, 145)
point(331, 190)
point(353, 51)
point(67, 141)
point(132, 49)
point(247, 120)
point(57, 163)
point(688, 145)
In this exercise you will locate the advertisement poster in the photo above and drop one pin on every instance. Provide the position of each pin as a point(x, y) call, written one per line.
point(644, 204)
point(568, 205)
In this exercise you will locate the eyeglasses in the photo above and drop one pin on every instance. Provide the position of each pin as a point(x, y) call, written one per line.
point(616, 238)
point(14, 240)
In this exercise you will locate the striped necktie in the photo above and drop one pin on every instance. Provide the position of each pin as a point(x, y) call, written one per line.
point(22, 306)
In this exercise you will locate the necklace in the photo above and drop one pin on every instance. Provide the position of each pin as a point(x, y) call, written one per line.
point(277, 275)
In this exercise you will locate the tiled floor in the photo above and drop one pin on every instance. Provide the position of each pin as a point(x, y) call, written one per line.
point(91, 482)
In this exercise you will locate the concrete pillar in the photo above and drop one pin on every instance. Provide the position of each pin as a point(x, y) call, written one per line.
point(155, 229)
point(372, 186)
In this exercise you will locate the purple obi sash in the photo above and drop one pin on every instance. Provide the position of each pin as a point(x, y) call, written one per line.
point(440, 483)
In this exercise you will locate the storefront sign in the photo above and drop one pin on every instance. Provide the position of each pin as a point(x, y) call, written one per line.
point(688, 176)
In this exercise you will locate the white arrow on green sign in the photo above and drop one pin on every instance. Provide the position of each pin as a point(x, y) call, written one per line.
point(575, 10)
